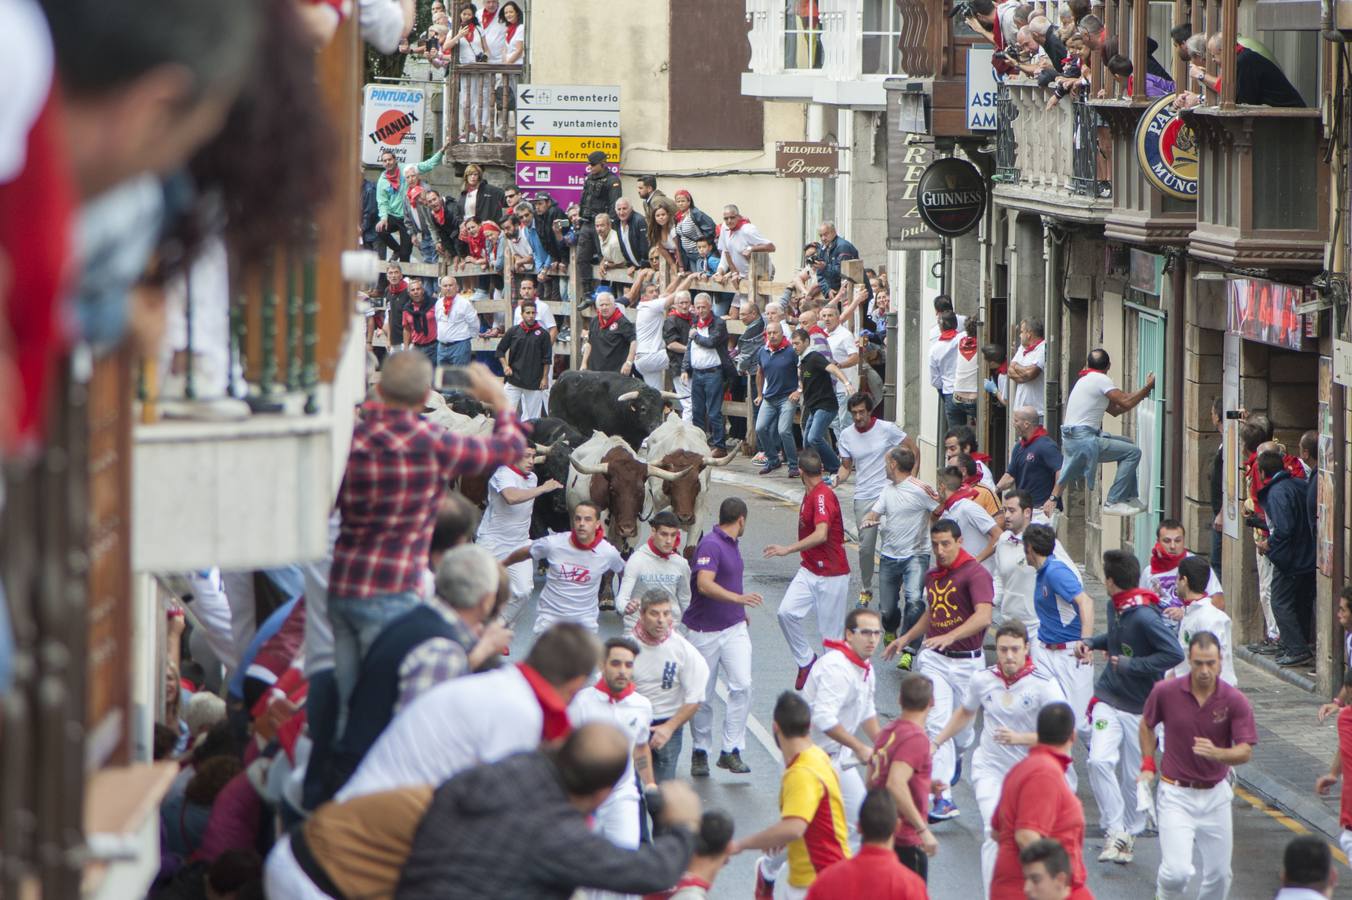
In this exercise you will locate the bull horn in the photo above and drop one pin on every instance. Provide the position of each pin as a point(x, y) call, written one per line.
point(585, 469)
point(665, 474)
point(627, 396)
point(539, 458)
point(732, 454)
point(670, 395)
point(543, 448)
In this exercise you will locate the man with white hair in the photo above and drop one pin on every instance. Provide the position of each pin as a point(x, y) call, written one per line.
point(457, 325)
point(737, 240)
point(611, 341)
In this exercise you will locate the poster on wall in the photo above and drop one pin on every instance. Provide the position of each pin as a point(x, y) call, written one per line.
point(1265, 311)
point(392, 119)
point(1232, 483)
point(1323, 547)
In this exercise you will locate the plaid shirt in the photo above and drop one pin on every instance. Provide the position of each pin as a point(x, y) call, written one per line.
point(435, 660)
point(398, 469)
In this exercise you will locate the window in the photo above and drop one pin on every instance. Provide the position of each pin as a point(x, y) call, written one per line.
point(881, 38)
point(802, 35)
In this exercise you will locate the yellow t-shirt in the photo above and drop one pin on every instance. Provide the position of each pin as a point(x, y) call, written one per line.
point(810, 790)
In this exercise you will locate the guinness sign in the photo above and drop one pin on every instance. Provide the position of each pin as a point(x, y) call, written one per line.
point(1167, 150)
point(951, 196)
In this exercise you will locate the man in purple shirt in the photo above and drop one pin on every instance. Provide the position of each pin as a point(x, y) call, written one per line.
point(715, 623)
point(1208, 727)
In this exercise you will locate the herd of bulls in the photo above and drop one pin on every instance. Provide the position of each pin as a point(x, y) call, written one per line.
point(607, 442)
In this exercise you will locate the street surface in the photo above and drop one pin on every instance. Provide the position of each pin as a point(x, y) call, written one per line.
point(1260, 832)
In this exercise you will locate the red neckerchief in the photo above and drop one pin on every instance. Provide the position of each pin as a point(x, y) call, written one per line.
point(556, 724)
point(967, 346)
point(1164, 562)
point(1125, 600)
point(534, 327)
point(447, 303)
point(1038, 432)
point(741, 220)
point(643, 638)
point(600, 535)
point(606, 323)
point(850, 655)
point(1194, 599)
point(393, 179)
point(680, 315)
point(966, 493)
point(470, 37)
point(1084, 372)
point(980, 457)
point(872, 420)
point(518, 471)
point(1293, 465)
point(439, 215)
point(817, 329)
point(398, 286)
point(613, 697)
point(705, 323)
point(1009, 682)
point(1033, 346)
point(1002, 369)
point(488, 18)
point(511, 31)
point(948, 335)
point(959, 561)
point(674, 548)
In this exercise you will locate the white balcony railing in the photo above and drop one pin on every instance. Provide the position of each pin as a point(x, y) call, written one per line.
point(817, 49)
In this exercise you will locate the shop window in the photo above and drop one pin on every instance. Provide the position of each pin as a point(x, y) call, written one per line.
point(881, 38)
point(802, 35)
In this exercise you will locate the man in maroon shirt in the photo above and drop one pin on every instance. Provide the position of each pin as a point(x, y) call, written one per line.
point(1035, 803)
point(958, 597)
point(823, 581)
point(874, 871)
point(901, 763)
point(1208, 728)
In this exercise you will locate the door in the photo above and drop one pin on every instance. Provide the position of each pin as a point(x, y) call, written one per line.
point(1150, 428)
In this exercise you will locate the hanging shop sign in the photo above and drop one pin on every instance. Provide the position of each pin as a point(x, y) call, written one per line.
point(951, 196)
point(806, 159)
point(1167, 150)
point(1266, 311)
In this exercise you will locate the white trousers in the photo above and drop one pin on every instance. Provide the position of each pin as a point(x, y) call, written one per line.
point(1345, 842)
point(616, 820)
point(730, 651)
point(651, 367)
point(775, 867)
point(284, 879)
point(1191, 819)
point(852, 793)
point(1114, 763)
point(824, 594)
point(529, 404)
point(1265, 573)
point(1077, 683)
point(473, 104)
point(522, 576)
point(682, 388)
point(950, 678)
point(986, 783)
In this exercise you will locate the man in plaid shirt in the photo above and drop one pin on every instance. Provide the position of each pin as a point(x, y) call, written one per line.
point(398, 468)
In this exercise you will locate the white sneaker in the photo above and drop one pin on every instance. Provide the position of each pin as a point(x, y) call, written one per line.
point(1124, 844)
point(1123, 509)
point(1109, 853)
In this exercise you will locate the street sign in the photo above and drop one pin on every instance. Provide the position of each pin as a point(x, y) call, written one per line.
point(567, 96)
point(567, 121)
point(392, 119)
point(558, 126)
point(566, 149)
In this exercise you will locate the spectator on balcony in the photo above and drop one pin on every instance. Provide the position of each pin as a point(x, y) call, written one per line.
point(1047, 38)
point(691, 225)
point(475, 237)
point(1066, 22)
point(516, 244)
point(737, 240)
point(1120, 68)
point(398, 468)
point(1178, 36)
point(480, 199)
point(611, 342)
point(444, 224)
point(1032, 58)
point(1092, 31)
point(633, 232)
point(391, 206)
point(1258, 80)
point(550, 222)
point(648, 193)
point(457, 325)
point(468, 45)
point(1078, 10)
point(661, 225)
point(540, 258)
point(420, 321)
point(515, 33)
point(987, 20)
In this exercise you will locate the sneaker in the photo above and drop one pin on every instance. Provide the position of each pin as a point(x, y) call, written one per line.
point(793, 471)
point(865, 599)
point(905, 661)
point(802, 674)
point(1123, 509)
point(768, 468)
point(943, 810)
point(1123, 844)
point(759, 459)
point(699, 764)
point(1301, 659)
point(1266, 648)
point(765, 888)
point(888, 637)
point(733, 763)
point(1110, 852)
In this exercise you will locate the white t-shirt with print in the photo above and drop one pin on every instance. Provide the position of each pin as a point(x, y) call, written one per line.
point(976, 525)
point(671, 674)
point(1088, 400)
point(843, 346)
point(1165, 584)
point(867, 451)
point(1013, 706)
point(574, 577)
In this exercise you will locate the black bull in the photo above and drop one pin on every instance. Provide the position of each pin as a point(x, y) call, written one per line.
point(608, 402)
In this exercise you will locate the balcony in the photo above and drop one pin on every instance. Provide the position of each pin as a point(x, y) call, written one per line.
point(480, 112)
point(1140, 214)
point(1051, 161)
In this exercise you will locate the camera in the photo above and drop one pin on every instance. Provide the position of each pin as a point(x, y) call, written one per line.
point(962, 10)
point(453, 378)
point(1046, 77)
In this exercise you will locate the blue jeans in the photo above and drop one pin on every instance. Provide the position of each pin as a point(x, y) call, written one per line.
point(706, 396)
point(774, 431)
point(959, 413)
point(898, 578)
point(814, 436)
point(321, 715)
point(357, 622)
point(667, 756)
point(429, 351)
point(427, 245)
point(454, 353)
point(1085, 447)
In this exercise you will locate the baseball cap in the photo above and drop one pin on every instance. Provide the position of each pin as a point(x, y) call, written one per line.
point(596, 157)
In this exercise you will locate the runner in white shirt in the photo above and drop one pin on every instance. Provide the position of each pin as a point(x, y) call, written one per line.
point(1010, 694)
point(505, 525)
point(903, 511)
point(577, 561)
point(672, 674)
point(657, 565)
point(980, 532)
point(467, 721)
point(1201, 614)
point(863, 448)
point(1161, 575)
point(1015, 579)
point(616, 701)
point(840, 690)
point(1028, 368)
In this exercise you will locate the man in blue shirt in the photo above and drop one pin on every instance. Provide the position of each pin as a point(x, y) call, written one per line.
point(776, 380)
point(1065, 616)
point(834, 250)
point(1035, 461)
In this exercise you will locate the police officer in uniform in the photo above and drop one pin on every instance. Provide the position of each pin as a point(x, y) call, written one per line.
point(599, 193)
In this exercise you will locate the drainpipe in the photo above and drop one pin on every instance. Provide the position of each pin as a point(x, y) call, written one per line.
point(1052, 307)
point(1178, 277)
point(1326, 29)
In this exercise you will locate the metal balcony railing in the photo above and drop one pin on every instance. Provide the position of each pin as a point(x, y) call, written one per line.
point(1090, 173)
point(1006, 148)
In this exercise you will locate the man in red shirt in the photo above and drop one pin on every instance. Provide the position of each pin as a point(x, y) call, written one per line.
point(1342, 761)
point(1035, 803)
point(823, 581)
point(901, 763)
point(958, 597)
point(875, 871)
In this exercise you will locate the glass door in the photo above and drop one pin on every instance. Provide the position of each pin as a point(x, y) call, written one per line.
point(1150, 352)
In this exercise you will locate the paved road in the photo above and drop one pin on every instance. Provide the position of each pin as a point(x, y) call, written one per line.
point(1260, 832)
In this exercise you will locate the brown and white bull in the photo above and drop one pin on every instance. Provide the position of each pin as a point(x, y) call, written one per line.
point(678, 446)
point(606, 471)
